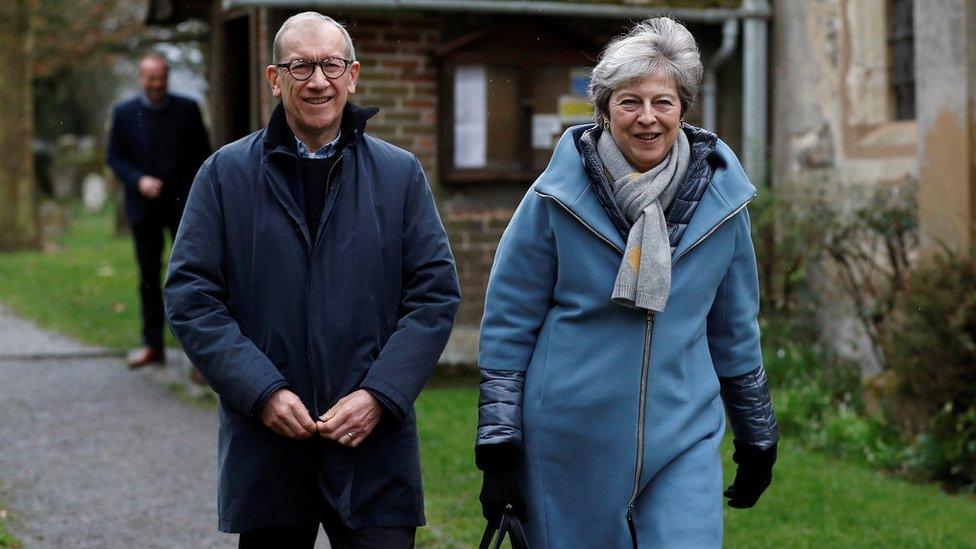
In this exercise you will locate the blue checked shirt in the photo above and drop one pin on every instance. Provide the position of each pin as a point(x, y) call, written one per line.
point(324, 152)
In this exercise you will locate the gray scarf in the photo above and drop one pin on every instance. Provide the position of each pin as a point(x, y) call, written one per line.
point(644, 277)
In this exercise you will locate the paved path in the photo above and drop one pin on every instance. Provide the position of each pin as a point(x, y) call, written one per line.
point(95, 455)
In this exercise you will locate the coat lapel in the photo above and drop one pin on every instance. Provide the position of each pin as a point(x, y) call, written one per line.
point(728, 192)
point(565, 181)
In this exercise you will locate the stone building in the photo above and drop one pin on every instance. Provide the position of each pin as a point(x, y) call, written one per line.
point(830, 94)
point(869, 92)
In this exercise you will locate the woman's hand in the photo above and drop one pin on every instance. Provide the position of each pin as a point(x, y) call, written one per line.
point(500, 489)
point(753, 476)
point(500, 493)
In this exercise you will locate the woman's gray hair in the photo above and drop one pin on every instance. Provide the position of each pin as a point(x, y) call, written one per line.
point(304, 19)
point(654, 45)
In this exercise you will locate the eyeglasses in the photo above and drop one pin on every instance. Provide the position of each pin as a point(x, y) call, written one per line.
point(303, 69)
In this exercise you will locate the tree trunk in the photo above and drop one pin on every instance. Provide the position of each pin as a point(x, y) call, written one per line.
point(19, 226)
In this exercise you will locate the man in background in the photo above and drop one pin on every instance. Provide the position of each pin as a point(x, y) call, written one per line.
point(156, 145)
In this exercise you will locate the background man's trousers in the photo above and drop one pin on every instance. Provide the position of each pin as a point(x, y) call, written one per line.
point(148, 237)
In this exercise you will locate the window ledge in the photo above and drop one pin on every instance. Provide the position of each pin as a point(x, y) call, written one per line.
point(896, 138)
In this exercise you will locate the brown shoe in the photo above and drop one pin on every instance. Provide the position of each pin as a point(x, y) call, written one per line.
point(142, 356)
point(197, 377)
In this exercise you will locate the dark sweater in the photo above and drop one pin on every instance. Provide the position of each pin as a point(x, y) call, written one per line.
point(315, 186)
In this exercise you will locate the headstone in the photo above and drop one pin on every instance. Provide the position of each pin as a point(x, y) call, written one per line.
point(64, 172)
point(94, 192)
point(55, 219)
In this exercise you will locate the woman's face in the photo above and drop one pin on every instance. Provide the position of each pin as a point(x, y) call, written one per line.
point(645, 118)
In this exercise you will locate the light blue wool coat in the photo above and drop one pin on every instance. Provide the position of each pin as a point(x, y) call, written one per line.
point(590, 452)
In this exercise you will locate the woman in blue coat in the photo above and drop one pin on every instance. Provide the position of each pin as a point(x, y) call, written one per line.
point(621, 313)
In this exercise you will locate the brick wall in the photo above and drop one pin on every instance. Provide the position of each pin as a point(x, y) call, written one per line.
point(399, 76)
point(474, 237)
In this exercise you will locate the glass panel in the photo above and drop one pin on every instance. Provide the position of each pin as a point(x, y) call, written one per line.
point(470, 110)
point(901, 45)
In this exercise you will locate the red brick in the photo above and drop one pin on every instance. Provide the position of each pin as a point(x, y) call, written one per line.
point(419, 103)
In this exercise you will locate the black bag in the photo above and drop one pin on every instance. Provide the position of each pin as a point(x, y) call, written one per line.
point(508, 525)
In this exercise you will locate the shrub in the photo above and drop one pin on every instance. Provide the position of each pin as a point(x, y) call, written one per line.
point(872, 250)
point(931, 346)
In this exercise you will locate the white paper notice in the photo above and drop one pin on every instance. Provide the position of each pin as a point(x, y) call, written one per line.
point(545, 127)
point(470, 117)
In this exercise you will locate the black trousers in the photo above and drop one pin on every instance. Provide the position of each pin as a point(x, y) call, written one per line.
point(148, 237)
point(340, 536)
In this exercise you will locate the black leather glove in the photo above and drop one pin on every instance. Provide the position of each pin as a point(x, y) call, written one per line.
point(500, 487)
point(753, 475)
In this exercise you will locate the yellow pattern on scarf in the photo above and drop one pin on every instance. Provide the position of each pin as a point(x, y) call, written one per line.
point(634, 257)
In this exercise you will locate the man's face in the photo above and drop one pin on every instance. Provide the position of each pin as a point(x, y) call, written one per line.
point(313, 107)
point(153, 74)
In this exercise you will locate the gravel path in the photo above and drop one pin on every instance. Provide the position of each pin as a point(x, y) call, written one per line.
point(95, 455)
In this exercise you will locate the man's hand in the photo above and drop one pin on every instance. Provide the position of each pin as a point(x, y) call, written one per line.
point(352, 419)
point(150, 186)
point(285, 414)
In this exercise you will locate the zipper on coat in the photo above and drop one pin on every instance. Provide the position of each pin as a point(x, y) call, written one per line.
point(641, 413)
point(308, 337)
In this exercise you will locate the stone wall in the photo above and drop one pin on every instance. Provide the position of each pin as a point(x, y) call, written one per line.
point(833, 129)
point(946, 86)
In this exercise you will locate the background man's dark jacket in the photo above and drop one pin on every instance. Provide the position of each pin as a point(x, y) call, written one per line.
point(169, 143)
point(369, 304)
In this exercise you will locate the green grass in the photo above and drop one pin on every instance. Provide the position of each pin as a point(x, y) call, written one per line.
point(6, 540)
point(87, 289)
point(815, 501)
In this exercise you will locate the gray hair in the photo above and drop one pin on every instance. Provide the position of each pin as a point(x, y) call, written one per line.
point(304, 19)
point(654, 45)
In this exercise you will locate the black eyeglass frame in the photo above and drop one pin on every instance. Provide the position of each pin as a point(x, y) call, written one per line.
point(319, 64)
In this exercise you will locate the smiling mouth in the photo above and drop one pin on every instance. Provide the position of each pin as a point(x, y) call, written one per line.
point(317, 100)
point(647, 137)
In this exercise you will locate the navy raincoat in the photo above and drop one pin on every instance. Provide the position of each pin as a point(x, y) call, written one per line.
point(258, 306)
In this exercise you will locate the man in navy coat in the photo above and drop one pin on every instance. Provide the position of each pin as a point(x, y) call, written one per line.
point(156, 145)
point(312, 284)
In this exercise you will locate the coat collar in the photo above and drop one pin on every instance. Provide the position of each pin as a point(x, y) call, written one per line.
point(565, 180)
point(280, 139)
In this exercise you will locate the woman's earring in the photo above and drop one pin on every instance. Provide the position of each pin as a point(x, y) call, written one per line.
point(606, 125)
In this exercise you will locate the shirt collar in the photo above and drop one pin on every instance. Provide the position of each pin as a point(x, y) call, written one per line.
point(324, 152)
point(153, 106)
